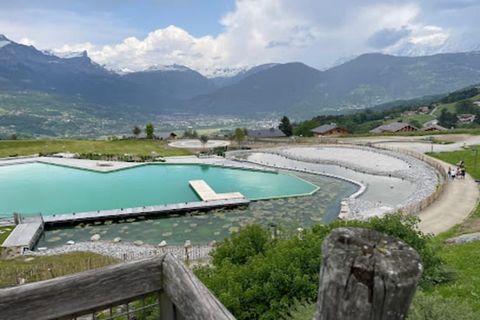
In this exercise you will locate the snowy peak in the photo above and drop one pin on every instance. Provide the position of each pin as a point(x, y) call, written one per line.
point(4, 41)
point(171, 67)
point(224, 72)
point(71, 54)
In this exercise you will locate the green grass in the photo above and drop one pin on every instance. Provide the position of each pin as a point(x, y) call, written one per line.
point(450, 107)
point(421, 118)
point(137, 147)
point(464, 259)
point(47, 267)
point(6, 231)
point(467, 155)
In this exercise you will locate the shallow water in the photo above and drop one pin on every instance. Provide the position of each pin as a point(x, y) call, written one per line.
point(202, 227)
point(387, 190)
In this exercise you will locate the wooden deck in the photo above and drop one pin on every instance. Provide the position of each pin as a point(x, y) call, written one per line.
point(207, 194)
point(143, 211)
point(24, 235)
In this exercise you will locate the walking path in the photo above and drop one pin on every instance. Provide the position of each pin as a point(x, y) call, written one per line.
point(456, 203)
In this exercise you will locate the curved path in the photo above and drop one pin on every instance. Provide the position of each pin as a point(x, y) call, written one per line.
point(456, 203)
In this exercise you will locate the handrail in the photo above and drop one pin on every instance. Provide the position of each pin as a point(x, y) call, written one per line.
point(181, 294)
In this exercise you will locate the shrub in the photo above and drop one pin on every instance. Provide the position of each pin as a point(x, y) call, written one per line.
point(256, 277)
point(435, 307)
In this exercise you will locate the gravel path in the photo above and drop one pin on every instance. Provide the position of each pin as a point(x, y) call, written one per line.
point(128, 251)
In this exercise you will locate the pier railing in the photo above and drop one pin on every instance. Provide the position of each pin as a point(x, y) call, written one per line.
point(162, 287)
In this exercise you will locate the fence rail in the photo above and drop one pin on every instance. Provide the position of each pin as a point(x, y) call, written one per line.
point(419, 206)
point(178, 293)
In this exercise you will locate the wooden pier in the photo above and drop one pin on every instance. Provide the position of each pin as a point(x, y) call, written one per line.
point(142, 211)
point(206, 193)
point(25, 235)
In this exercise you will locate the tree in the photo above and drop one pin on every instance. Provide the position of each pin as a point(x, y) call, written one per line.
point(136, 131)
point(149, 130)
point(189, 133)
point(285, 126)
point(203, 139)
point(466, 106)
point(447, 119)
point(239, 135)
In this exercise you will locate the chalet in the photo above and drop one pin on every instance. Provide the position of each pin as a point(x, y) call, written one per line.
point(466, 118)
point(328, 130)
point(394, 127)
point(265, 133)
point(424, 110)
point(434, 127)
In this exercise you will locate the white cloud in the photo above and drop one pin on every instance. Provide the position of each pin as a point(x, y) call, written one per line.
point(27, 41)
point(430, 36)
point(261, 31)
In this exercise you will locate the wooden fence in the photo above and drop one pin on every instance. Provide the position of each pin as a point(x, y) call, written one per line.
point(116, 293)
point(419, 206)
point(365, 275)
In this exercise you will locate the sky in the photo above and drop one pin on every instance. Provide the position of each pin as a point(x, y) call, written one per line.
point(211, 36)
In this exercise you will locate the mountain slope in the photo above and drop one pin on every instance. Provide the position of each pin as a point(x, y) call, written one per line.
point(292, 88)
point(274, 89)
point(391, 77)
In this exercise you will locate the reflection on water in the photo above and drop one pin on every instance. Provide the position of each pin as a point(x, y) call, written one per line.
point(203, 227)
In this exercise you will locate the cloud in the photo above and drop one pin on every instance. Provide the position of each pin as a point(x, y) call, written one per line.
point(387, 37)
point(262, 31)
point(430, 36)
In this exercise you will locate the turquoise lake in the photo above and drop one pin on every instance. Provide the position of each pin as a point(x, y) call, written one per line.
point(49, 189)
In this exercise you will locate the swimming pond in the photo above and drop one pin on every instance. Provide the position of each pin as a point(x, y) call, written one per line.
point(51, 189)
point(202, 227)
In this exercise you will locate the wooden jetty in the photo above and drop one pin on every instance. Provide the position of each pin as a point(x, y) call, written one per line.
point(206, 193)
point(25, 235)
point(143, 211)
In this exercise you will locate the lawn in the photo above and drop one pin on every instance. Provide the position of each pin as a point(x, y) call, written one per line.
point(467, 155)
point(464, 259)
point(421, 118)
point(4, 232)
point(47, 267)
point(137, 147)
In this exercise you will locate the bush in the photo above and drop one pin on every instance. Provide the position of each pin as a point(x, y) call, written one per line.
point(435, 307)
point(256, 277)
point(423, 307)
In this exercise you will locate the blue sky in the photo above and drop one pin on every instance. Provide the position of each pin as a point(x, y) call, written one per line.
point(199, 17)
point(211, 36)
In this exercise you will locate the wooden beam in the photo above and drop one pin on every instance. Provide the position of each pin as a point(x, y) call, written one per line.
point(190, 296)
point(82, 293)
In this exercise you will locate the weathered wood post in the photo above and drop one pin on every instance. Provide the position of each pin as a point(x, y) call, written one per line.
point(366, 275)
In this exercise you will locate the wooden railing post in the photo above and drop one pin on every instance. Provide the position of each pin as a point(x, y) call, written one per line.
point(167, 309)
point(366, 275)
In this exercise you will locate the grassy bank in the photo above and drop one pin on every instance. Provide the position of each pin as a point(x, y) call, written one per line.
point(137, 147)
point(4, 232)
point(43, 268)
point(467, 155)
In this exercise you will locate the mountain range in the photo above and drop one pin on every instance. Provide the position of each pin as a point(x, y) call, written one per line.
point(294, 89)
